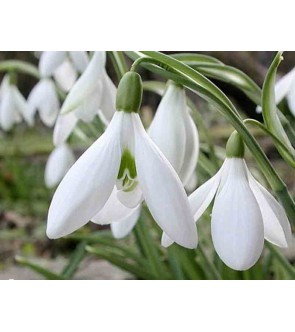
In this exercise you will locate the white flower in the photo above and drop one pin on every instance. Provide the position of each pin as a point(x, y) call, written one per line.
point(13, 106)
point(59, 162)
point(43, 98)
point(63, 66)
point(175, 134)
point(123, 162)
point(244, 213)
point(93, 94)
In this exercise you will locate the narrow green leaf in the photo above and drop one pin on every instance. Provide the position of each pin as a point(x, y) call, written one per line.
point(75, 260)
point(120, 261)
point(269, 111)
point(47, 274)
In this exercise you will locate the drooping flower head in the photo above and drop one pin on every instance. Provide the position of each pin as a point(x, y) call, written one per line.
point(175, 134)
point(13, 106)
point(124, 164)
point(244, 212)
point(93, 94)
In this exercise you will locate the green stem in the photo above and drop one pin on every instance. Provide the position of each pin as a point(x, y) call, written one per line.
point(119, 63)
point(19, 66)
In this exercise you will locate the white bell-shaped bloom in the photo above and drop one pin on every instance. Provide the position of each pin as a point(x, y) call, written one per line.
point(244, 213)
point(124, 164)
point(43, 98)
point(93, 94)
point(13, 106)
point(175, 134)
point(59, 162)
point(63, 66)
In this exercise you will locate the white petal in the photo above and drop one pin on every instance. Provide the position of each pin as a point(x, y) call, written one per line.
point(283, 86)
point(123, 227)
point(8, 111)
point(166, 241)
point(86, 84)
point(237, 226)
point(192, 183)
point(43, 97)
point(168, 129)
point(63, 128)
point(201, 198)
point(162, 189)
point(59, 162)
point(130, 198)
point(80, 60)
point(108, 98)
point(291, 97)
point(191, 149)
point(65, 75)
point(88, 184)
point(277, 228)
point(49, 61)
point(88, 108)
point(112, 211)
point(22, 106)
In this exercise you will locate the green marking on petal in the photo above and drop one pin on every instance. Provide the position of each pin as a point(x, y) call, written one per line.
point(127, 163)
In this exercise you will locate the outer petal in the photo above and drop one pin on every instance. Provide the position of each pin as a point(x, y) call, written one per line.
point(88, 109)
point(65, 75)
point(168, 129)
point(22, 106)
point(166, 241)
point(124, 227)
point(162, 189)
point(191, 149)
point(44, 98)
point(237, 227)
point(86, 84)
point(283, 85)
point(49, 61)
point(59, 162)
point(277, 228)
point(80, 60)
point(192, 183)
point(108, 101)
point(201, 198)
point(8, 112)
point(88, 184)
point(63, 128)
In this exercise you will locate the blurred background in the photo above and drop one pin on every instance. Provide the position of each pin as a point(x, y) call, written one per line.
point(24, 199)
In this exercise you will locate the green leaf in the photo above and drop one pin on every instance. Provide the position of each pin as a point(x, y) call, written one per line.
point(47, 274)
point(75, 260)
point(121, 262)
point(269, 111)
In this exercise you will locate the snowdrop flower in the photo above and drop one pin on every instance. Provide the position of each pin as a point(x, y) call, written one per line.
point(63, 66)
point(43, 98)
point(244, 212)
point(13, 106)
point(285, 87)
point(93, 94)
point(59, 162)
point(123, 161)
point(175, 134)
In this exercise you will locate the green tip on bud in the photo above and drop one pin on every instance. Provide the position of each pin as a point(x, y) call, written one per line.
point(235, 147)
point(129, 93)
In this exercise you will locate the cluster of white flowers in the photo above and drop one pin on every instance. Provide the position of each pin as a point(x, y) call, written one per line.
point(128, 165)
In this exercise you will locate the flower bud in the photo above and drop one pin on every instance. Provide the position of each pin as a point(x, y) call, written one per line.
point(235, 147)
point(129, 93)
